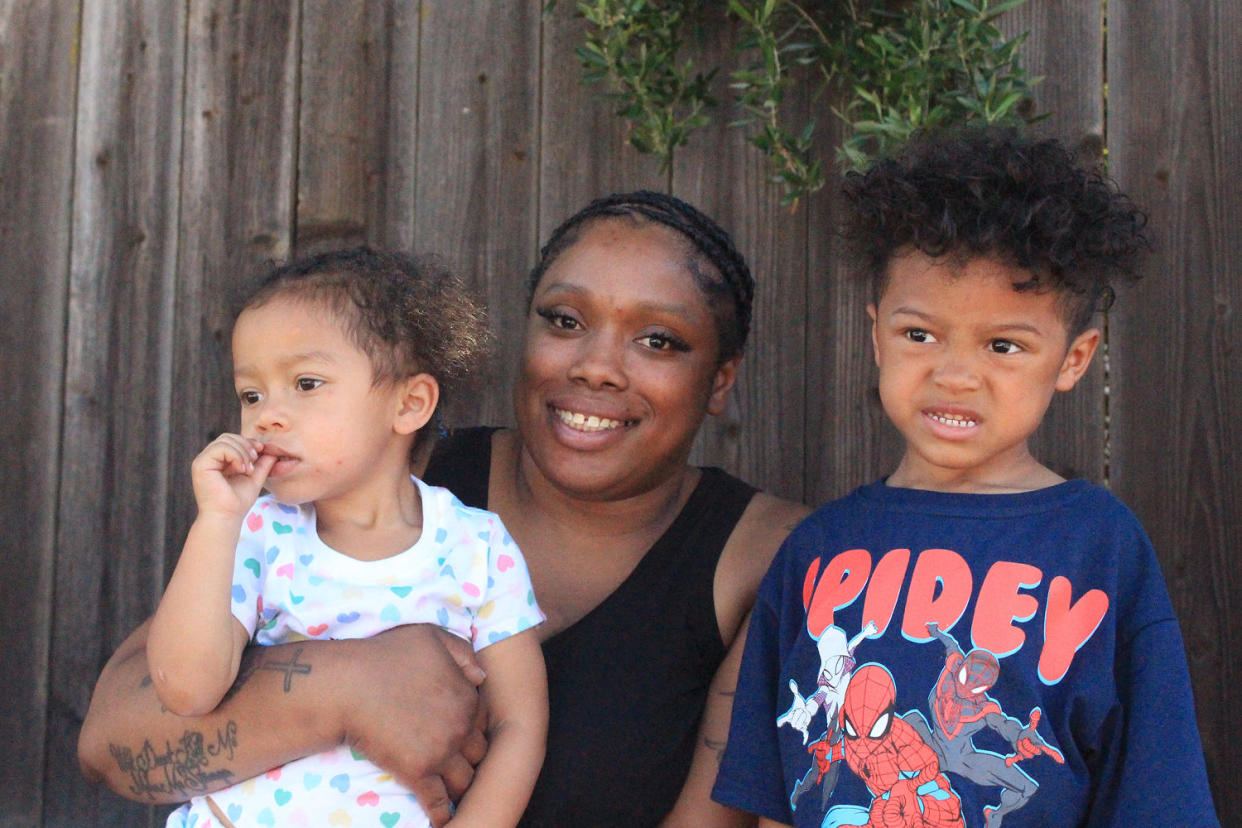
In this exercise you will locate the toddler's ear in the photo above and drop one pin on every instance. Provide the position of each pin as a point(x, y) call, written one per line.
point(1078, 358)
point(417, 396)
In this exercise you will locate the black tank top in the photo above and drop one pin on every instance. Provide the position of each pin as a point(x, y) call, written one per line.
point(627, 683)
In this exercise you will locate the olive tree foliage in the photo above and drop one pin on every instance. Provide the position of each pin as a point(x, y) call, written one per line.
point(893, 66)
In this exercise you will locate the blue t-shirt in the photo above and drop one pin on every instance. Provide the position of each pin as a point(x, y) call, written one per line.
point(920, 657)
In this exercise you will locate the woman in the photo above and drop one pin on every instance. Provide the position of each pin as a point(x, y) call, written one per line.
point(645, 566)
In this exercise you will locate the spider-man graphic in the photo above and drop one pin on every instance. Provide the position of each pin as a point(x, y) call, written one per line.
point(961, 707)
point(901, 771)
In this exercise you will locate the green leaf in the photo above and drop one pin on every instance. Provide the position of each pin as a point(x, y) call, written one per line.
point(898, 66)
point(1001, 8)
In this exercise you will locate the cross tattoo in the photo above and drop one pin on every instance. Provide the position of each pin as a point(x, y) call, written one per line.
point(288, 667)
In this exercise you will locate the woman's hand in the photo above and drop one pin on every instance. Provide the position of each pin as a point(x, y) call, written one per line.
point(410, 705)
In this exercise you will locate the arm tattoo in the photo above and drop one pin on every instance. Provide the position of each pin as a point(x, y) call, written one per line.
point(287, 667)
point(716, 746)
point(182, 769)
point(257, 658)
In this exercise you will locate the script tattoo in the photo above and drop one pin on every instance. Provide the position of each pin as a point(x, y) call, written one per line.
point(181, 769)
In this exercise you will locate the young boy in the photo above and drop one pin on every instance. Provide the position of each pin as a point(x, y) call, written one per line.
point(972, 640)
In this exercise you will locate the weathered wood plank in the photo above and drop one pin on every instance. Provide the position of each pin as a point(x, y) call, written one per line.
point(117, 400)
point(762, 435)
point(1175, 105)
point(1064, 46)
point(237, 202)
point(477, 163)
point(38, 48)
point(359, 84)
point(584, 149)
point(849, 440)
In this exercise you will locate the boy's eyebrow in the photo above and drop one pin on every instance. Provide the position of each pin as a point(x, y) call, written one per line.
point(1019, 326)
point(910, 311)
point(905, 310)
point(998, 327)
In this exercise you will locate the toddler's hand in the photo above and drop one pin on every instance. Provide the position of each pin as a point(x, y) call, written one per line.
point(228, 475)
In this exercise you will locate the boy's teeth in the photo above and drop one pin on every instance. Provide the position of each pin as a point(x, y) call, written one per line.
point(953, 420)
point(584, 422)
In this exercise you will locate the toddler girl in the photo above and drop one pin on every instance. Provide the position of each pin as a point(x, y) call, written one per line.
point(339, 362)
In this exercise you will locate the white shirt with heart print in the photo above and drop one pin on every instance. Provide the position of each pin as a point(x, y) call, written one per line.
point(464, 574)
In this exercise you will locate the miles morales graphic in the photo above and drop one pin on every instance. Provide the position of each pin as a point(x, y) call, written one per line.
point(961, 707)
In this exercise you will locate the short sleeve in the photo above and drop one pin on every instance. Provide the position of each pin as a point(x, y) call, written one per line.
point(509, 605)
point(250, 563)
point(1153, 770)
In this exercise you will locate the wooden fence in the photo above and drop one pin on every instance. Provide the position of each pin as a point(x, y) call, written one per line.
point(153, 154)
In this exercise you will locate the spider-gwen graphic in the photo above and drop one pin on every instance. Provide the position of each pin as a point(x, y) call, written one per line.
point(836, 665)
point(960, 707)
point(890, 757)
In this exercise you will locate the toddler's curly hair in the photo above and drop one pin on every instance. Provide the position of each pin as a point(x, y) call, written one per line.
point(408, 315)
point(994, 192)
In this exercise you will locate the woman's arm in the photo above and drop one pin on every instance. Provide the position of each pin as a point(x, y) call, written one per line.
point(694, 806)
point(405, 698)
point(743, 563)
point(516, 697)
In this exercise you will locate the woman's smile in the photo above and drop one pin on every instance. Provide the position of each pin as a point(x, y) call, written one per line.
point(589, 422)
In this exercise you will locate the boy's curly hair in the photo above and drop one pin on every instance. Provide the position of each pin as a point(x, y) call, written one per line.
point(408, 315)
point(993, 192)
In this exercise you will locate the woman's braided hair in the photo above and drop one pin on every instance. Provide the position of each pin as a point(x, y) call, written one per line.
point(718, 268)
point(994, 192)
